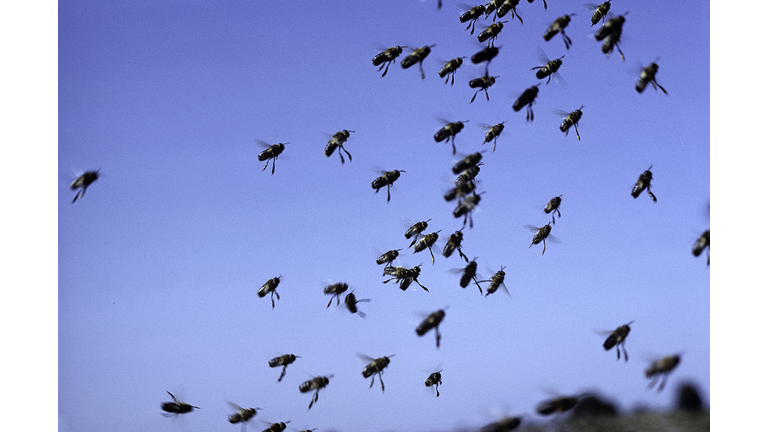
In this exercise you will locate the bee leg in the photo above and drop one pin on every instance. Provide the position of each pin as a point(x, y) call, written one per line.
point(663, 382)
point(518, 17)
point(545, 5)
point(653, 381)
point(567, 40)
point(273, 302)
point(618, 353)
point(282, 374)
point(486, 95)
point(653, 197)
point(707, 256)
point(437, 336)
point(331, 300)
point(622, 54)
point(385, 70)
point(425, 288)
point(494, 144)
point(382, 383)
point(626, 357)
point(438, 391)
point(433, 255)
point(338, 299)
point(549, 78)
point(341, 155)
point(446, 80)
point(388, 192)
point(273, 165)
point(452, 143)
point(265, 165)
point(471, 225)
point(473, 97)
point(372, 380)
point(422, 72)
point(577, 131)
point(662, 88)
point(461, 254)
point(348, 154)
point(545, 247)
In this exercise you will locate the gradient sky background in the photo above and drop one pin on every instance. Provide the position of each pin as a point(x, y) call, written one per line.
point(160, 262)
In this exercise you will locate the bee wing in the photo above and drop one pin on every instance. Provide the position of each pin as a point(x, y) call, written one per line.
point(532, 228)
point(561, 113)
point(235, 406)
point(261, 143)
point(366, 358)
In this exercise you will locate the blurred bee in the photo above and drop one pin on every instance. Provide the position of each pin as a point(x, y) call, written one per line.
point(643, 182)
point(415, 230)
point(507, 6)
point(491, 8)
point(338, 140)
point(541, 235)
point(469, 274)
point(559, 27)
point(545, 3)
point(507, 424)
point(553, 206)
point(599, 11)
point(461, 189)
point(404, 276)
point(277, 427)
point(352, 302)
point(270, 152)
point(557, 405)
point(485, 55)
point(270, 287)
point(386, 57)
point(527, 98)
point(82, 183)
point(491, 33)
point(701, 244)
point(375, 367)
point(432, 322)
point(386, 179)
point(482, 83)
point(468, 162)
point(496, 281)
point(662, 367)
point(571, 119)
point(449, 131)
point(315, 384)
point(549, 69)
point(417, 56)
point(450, 67)
point(243, 415)
point(387, 258)
point(648, 75)
point(434, 379)
point(427, 242)
point(454, 244)
point(472, 16)
point(465, 208)
point(468, 176)
point(335, 290)
point(176, 407)
point(610, 34)
point(493, 133)
point(617, 339)
point(283, 360)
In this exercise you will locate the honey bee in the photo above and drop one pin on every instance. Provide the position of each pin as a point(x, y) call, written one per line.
point(643, 182)
point(617, 339)
point(496, 281)
point(270, 152)
point(449, 131)
point(417, 56)
point(465, 208)
point(450, 67)
point(270, 287)
point(243, 415)
point(491, 8)
point(176, 407)
point(469, 274)
point(549, 69)
point(387, 258)
point(661, 367)
point(599, 11)
point(277, 427)
point(541, 235)
point(386, 57)
point(482, 83)
point(375, 367)
point(434, 379)
point(506, 424)
point(648, 75)
point(527, 98)
point(462, 188)
point(352, 302)
point(553, 206)
point(468, 176)
point(493, 133)
point(454, 244)
point(472, 16)
point(432, 322)
point(571, 119)
point(415, 230)
point(468, 162)
point(701, 244)
point(610, 34)
point(283, 360)
point(315, 384)
point(82, 183)
point(507, 6)
point(559, 27)
point(338, 140)
point(559, 404)
point(386, 179)
point(404, 276)
point(335, 290)
point(491, 32)
point(427, 242)
point(485, 55)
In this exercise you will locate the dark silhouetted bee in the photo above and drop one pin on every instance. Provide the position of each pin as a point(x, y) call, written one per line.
point(454, 243)
point(270, 287)
point(482, 83)
point(386, 179)
point(493, 133)
point(507, 6)
point(388, 257)
point(243, 415)
point(571, 119)
point(485, 55)
point(375, 367)
point(415, 231)
point(417, 56)
point(648, 75)
point(469, 274)
point(491, 7)
point(541, 235)
point(468, 162)
point(472, 16)
point(662, 367)
point(545, 3)
point(404, 276)
point(432, 322)
point(559, 27)
point(450, 67)
point(449, 131)
point(386, 57)
point(527, 98)
point(335, 290)
point(553, 206)
point(176, 407)
point(496, 281)
point(271, 152)
point(434, 379)
point(491, 32)
point(284, 360)
point(465, 208)
point(315, 384)
point(701, 244)
point(643, 182)
point(82, 183)
point(338, 140)
point(277, 427)
point(462, 188)
point(557, 405)
point(468, 176)
point(507, 424)
point(617, 339)
point(352, 302)
point(549, 69)
point(610, 34)
point(599, 11)
point(427, 242)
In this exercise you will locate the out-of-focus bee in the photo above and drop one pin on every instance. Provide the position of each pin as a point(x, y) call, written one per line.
point(386, 179)
point(701, 244)
point(454, 244)
point(315, 384)
point(648, 75)
point(549, 69)
point(450, 67)
point(449, 131)
point(338, 140)
point(404, 276)
point(386, 57)
point(559, 404)
point(661, 367)
point(507, 424)
point(375, 367)
point(545, 3)
point(559, 27)
point(527, 98)
point(553, 206)
point(541, 235)
point(493, 133)
point(335, 290)
point(176, 407)
point(465, 208)
point(461, 189)
point(468, 176)
point(82, 183)
point(351, 301)
point(387, 258)
point(417, 56)
point(491, 7)
point(472, 16)
point(491, 32)
point(599, 11)
point(427, 242)
point(270, 152)
point(283, 360)
point(485, 55)
point(507, 6)
point(617, 339)
point(482, 83)
point(243, 415)
point(277, 427)
point(434, 379)
point(468, 162)
point(496, 281)
point(415, 230)
point(571, 119)
point(610, 34)
point(270, 287)
point(469, 274)
point(432, 322)
point(643, 182)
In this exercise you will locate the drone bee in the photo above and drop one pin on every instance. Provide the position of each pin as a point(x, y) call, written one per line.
point(427, 242)
point(243, 415)
point(527, 98)
point(599, 11)
point(82, 183)
point(449, 131)
point(465, 208)
point(404, 276)
point(559, 27)
point(610, 33)
point(482, 83)
point(454, 244)
point(496, 281)
point(283, 360)
point(387, 258)
point(662, 367)
point(338, 140)
point(352, 302)
point(472, 16)
point(386, 57)
point(375, 367)
point(176, 407)
point(434, 379)
point(541, 235)
point(315, 384)
point(507, 6)
point(271, 152)
point(701, 244)
point(557, 405)
point(417, 56)
point(491, 33)
point(485, 55)
point(549, 69)
point(643, 182)
point(270, 287)
point(386, 179)
point(468, 176)
point(648, 75)
point(493, 133)
point(277, 427)
point(617, 339)
point(335, 290)
point(507, 424)
point(467, 163)
point(432, 322)
point(469, 274)
point(450, 67)
point(415, 230)
point(553, 206)
point(571, 119)
point(545, 3)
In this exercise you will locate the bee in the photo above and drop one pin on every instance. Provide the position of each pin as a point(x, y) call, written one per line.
point(541, 235)
point(599, 11)
point(617, 339)
point(335, 290)
point(482, 83)
point(559, 27)
point(243, 415)
point(176, 407)
point(454, 244)
point(467, 163)
point(648, 75)
point(493, 133)
point(469, 274)
point(270, 287)
point(387, 258)
point(491, 33)
point(434, 379)
point(283, 360)
point(417, 56)
point(375, 367)
point(527, 98)
point(277, 427)
point(432, 322)
point(496, 281)
point(352, 302)
point(462, 188)
point(643, 182)
point(386, 57)
point(610, 33)
point(507, 424)
point(661, 367)
point(491, 7)
point(82, 183)
point(472, 16)
point(701, 244)
point(427, 242)
point(338, 140)
point(450, 68)
point(468, 176)
point(465, 208)
point(553, 206)
point(508, 5)
point(387, 179)
point(270, 152)
point(571, 119)
point(549, 69)
point(449, 131)
point(415, 230)
point(485, 55)
point(404, 276)
point(315, 384)
point(559, 404)
point(545, 3)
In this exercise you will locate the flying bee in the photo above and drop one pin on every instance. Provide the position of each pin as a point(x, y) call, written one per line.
point(465, 208)
point(283, 360)
point(617, 339)
point(491, 7)
point(432, 322)
point(417, 56)
point(386, 179)
point(482, 83)
point(277, 427)
point(701, 244)
point(387, 258)
point(415, 230)
point(454, 244)
point(599, 11)
point(662, 367)
point(176, 407)
point(541, 235)
point(610, 34)
point(507, 424)
point(461, 189)
point(338, 140)
point(545, 3)
point(571, 119)
point(434, 379)
point(472, 16)
point(82, 183)
point(243, 415)
point(404, 276)
point(549, 69)
point(496, 281)
point(270, 152)
point(386, 57)
point(493, 133)
point(469, 274)
point(270, 287)
point(553, 206)
point(315, 384)
point(527, 98)
point(449, 131)
point(468, 162)
point(559, 404)
point(485, 55)
point(468, 176)
point(506, 7)
point(335, 290)
point(375, 367)
point(559, 27)
point(427, 242)
point(351, 302)
point(648, 75)
point(643, 182)
point(450, 67)
point(491, 32)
